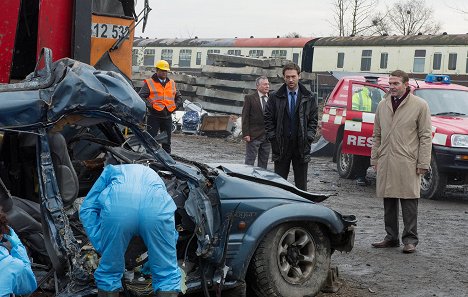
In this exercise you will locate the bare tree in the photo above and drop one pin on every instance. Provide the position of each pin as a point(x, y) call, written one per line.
point(292, 35)
point(411, 17)
point(339, 10)
point(361, 15)
point(462, 10)
point(352, 17)
point(380, 25)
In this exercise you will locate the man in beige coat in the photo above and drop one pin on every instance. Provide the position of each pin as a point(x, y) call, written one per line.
point(401, 154)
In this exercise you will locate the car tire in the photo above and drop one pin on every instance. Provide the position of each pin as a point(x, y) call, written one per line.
point(292, 260)
point(346, 164)
point(434, 182)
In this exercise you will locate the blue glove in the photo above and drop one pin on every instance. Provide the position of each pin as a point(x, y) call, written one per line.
point(12, 238)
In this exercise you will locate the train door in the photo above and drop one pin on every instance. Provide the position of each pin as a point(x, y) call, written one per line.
point(363, 99)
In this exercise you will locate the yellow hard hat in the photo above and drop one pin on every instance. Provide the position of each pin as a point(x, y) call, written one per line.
point(163, 65)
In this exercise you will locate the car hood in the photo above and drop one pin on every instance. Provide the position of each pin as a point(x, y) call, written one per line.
point(265, 177)
point(451, 124)
point(76, 88)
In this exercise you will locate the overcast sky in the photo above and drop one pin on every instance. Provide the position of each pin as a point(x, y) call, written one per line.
point(267, 18)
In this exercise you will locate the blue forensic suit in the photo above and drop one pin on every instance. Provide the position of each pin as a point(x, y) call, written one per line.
point(128, 200)
point(16, 276)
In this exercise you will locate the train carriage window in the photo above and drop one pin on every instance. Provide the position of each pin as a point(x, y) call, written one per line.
point(234, 52)
point(452, 62)
point(383, 60)
point(198, 60)
point(278, 54)
point(148, 58)
point(185, 57)
point(211, 51)
point(256, 53)
point(437, 61)
point(340, 60)
point(296, 58)
point(419, 60)
point(366, 60)
point(135, 57)
point(466, 70)
point(166, 54)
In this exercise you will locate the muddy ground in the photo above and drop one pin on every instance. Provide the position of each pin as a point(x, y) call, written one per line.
point(438, 268)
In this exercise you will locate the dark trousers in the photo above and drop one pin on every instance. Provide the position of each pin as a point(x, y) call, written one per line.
point(362, 164)
point(261, 146)
point(156, 124)
point(409, 210)
point(292, 155)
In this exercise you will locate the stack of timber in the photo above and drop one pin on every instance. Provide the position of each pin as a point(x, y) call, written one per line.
point(222, 86)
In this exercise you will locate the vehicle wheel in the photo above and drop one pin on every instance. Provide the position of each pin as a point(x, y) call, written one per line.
point(346, 163)
point(433, 183)
point(291, 261)
point(174, 127)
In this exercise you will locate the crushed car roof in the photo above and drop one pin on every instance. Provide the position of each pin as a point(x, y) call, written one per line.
point(76, 88)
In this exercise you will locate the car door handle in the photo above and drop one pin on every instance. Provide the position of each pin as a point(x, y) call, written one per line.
point(356, 120)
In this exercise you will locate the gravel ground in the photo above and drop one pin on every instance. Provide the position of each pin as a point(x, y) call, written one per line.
point(438, 268)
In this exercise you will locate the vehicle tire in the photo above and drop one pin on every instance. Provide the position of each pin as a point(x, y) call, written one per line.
point(433, 183)
point(291, 261)
point(346, 163)
point(174, 127)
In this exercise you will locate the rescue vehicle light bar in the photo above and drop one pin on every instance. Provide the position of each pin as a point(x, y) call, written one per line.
point(433, 78)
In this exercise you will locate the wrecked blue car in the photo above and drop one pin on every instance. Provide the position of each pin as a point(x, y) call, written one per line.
point(239, 226)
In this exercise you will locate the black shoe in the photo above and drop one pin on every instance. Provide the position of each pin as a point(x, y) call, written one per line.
point(361, 181)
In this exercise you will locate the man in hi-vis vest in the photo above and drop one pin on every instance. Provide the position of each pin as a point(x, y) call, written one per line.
point(162, 99)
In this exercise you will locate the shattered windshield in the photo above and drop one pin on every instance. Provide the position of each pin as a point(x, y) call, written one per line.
point(445, 102)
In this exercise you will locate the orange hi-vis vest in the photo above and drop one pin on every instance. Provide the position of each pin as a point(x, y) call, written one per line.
point(160, 96)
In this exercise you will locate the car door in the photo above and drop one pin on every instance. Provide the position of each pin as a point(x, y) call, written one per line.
point(362, 102)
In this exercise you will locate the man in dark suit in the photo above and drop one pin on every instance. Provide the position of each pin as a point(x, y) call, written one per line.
point(290, 124)
point(253, 126)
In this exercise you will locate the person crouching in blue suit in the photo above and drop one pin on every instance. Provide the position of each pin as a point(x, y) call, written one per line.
point(125, 201)
point(16, 276)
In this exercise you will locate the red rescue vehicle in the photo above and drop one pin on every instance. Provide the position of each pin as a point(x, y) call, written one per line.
point(350, 127)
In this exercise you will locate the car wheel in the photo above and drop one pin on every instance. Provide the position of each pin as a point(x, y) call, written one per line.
point(291, 261)
point(433, 183)
point(345, 163)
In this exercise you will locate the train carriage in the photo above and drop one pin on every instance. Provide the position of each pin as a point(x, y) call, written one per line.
point(193, 53)
point(415, 54)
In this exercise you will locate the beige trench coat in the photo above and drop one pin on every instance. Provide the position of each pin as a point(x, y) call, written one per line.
point(402, 143)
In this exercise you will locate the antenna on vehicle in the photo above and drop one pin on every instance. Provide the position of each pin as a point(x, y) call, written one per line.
point(416, 81)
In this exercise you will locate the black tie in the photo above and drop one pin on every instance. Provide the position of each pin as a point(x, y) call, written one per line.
point(293, 102)
point(264, 103)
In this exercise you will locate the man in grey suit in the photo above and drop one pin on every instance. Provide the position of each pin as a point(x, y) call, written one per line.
point(253, 126)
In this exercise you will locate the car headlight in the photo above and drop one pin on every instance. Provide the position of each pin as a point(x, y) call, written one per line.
point(459, 140)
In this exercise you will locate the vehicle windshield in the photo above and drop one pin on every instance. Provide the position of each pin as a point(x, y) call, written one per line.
point(445, 102)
